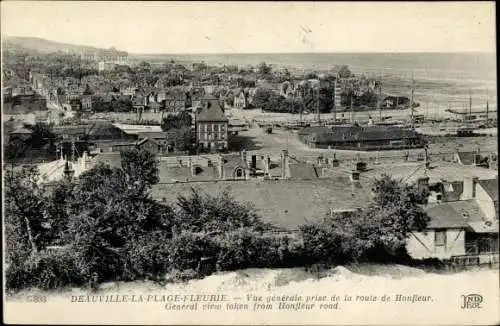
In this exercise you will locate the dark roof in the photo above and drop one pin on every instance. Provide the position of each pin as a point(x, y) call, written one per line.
point(491, 188)
point(455, 214)
point(114, 159)
point(170, 174)
point(338, 134)
point(285, 203)
point(142, 141)
point(152, 135)
point(303, 171)
point(466, 158)
point(453, 190)
point(212, 112)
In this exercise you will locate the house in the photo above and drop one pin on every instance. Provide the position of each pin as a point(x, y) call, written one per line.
point(86, 102)
point(150, 144)
point(467, 226)
point(241, 100)
point(211, 126)
point(470, 158)
point(173, 100)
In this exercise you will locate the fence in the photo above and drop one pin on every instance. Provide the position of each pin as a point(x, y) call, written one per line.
point(475, 260)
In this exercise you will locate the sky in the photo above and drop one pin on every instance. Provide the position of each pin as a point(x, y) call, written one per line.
point(253, 27)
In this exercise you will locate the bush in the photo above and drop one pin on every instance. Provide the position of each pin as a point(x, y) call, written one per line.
point(46, 270)
point(149, 256)
point(188, 249)
point(245, 248)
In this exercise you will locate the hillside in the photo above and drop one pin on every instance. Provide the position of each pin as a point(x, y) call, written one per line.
point(44, 46)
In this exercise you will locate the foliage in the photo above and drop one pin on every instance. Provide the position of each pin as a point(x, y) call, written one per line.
point(99, 104)
point(177, 121)
point(108, 214)
point(202, 212)
point(378, 233)
point(180, 139)
point(25, 227)
point(264, 69)
point(141, 168)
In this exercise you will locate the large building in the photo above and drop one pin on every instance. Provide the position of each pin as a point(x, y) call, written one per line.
point(361, 137)
point(211, 126)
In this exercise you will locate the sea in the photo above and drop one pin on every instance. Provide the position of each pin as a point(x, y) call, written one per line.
point(446, 80)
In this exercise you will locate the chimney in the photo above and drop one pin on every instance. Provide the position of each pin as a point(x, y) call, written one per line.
point(193, 168)
point(354, 176)
point(244, 156)
point(469, 191)
point(423, 185)
point(267, 164)
point(285, 168)
point(220, 167)
point(253, 167)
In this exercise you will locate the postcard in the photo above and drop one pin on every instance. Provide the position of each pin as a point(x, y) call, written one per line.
point(249, 163)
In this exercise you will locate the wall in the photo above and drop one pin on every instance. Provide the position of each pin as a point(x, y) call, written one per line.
point(485, 202)
point(421, 244)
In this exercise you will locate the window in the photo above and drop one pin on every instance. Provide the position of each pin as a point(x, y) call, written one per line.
point(440, 237)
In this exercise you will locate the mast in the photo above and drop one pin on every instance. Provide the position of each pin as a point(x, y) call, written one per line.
point(352, 109)
point(411, 102)
point(380, 98)
point(335, 101)
point(487, 106)
point(317, 105)
point(470, 105)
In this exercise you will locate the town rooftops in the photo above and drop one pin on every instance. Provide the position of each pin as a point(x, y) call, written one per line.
point(437, 172)
point(314, 199)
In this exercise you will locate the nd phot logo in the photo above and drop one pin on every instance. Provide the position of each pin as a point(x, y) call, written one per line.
point(472, 301)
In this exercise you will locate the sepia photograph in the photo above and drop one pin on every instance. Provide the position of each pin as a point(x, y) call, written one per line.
point(251, 163)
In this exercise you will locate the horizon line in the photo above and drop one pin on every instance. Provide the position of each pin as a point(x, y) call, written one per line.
point(255, 53)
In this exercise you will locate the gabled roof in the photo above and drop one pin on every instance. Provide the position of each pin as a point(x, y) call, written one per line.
point(142, 141)
point(491, 188)
point(466, 158)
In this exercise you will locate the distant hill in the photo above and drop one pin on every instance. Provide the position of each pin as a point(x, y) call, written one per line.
point(44, 46)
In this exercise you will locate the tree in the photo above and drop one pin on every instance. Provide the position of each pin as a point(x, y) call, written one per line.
point(177, 121)
point(180, 139)
point(201, 212)
point(264, 69)
point(24, 218)
point(107, 216)
point(261, 97)
point(343, 71)
point(140, 167)
point(378, 233)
